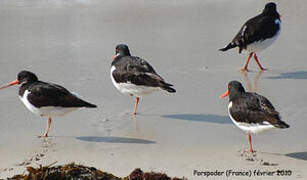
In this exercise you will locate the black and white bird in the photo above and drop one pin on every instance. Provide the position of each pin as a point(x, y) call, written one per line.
point(251, 112)
point(134, 76)
point(257, 34)
point(46, 99)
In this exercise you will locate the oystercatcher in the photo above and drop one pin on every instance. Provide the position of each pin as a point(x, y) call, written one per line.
point(251, 112)
point(257, 34)
point(134, 76)
point(46, 99)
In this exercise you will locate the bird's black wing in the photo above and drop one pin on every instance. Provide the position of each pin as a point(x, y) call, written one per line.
point(49, 94)
point(256, 29)
point(254, 108)
point(137, 71)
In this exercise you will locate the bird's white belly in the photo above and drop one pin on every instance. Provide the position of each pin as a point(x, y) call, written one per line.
point(250, 128)
point(131, 89)
point(260, 45)
point(50, 111)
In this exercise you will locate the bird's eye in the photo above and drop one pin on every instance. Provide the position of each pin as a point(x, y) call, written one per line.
point(229, 87)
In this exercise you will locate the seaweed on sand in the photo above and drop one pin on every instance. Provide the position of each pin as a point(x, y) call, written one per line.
point(73, 171)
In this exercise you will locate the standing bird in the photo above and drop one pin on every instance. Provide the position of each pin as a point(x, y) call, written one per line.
point(251, 112)
point(134, 76)
point(46, 99)
point(257, 34)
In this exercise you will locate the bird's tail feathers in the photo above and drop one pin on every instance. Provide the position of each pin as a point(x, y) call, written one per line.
point(89, 105)
point(229, 46)
point(168, 87)
point(282, 125)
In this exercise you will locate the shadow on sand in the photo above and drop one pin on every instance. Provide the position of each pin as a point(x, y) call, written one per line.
point(114, 140)
point(298, 155)
point(291, 75)
point(211, 118)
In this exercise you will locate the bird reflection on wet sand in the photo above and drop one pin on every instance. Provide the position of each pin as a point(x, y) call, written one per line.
point(136, 124)
point(249, 86)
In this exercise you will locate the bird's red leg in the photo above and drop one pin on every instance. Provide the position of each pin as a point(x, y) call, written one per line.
point(136, 105)
point(249, 137)
point(47, 128)
point(244, 68)
point(257, 61)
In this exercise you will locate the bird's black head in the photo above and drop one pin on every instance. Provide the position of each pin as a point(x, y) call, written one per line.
point(234, 88)
point(26, 76)
point(270, 9)
point(22, 77)
point(121, 50)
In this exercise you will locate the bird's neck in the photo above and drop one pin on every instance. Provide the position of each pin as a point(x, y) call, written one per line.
point(234, 95)
point(272, 14)
point(24, 86)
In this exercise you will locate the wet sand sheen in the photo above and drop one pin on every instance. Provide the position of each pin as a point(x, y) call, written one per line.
point(71, 44)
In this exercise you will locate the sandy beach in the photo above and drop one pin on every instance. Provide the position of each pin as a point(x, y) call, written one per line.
point(71, 43)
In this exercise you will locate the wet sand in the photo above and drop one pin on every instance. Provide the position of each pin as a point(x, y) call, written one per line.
point(71, 44)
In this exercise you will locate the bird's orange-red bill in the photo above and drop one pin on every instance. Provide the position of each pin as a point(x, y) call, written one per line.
point(225, 94)
point(10, 84)
point(114, 56)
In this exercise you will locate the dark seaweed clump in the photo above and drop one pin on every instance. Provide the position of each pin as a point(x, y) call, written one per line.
point(73, 171)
